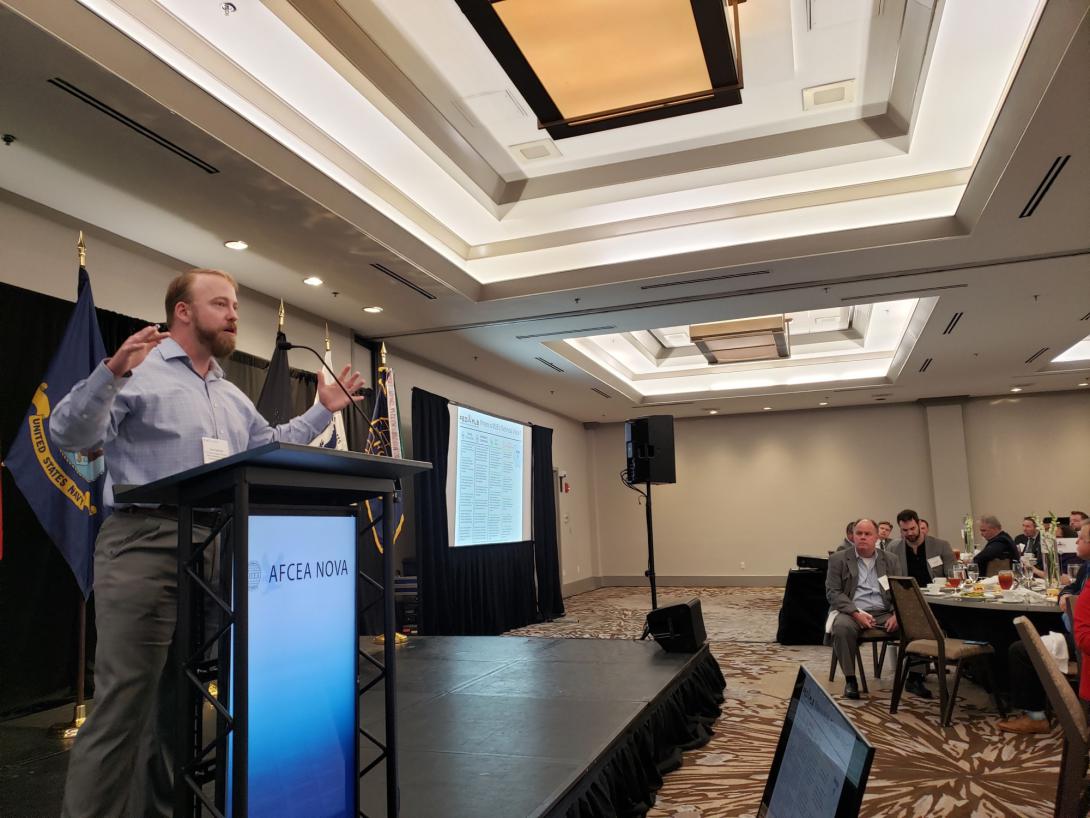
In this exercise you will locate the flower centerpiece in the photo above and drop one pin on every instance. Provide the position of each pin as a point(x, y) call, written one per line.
point(967, 537)
point(1050, 554)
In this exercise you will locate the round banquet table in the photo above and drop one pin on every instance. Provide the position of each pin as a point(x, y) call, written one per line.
point(992, 621)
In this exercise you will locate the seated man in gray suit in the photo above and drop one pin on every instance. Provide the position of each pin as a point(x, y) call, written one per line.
point(924, 558)
point(857, 589)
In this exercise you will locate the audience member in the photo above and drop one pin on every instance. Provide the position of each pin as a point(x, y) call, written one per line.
point(1029, 541)
point(1077, 519)
point(1082, 632)
point(1074, 588)
point(885, 528)
point(847, 543)
point(925, 528)
point(924, 559)
point(857, 589)
point(1026, 690)
point(999, 545)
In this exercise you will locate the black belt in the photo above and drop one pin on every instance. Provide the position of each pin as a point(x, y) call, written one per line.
point(205, 519)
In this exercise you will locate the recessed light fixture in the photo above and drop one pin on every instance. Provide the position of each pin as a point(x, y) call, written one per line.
point(1084, 383)
point(235, 244)
point(375, 309)
point(713, 411)
point(1016, 389)
point(313, 281)
point(824, 403)
point(767, 408)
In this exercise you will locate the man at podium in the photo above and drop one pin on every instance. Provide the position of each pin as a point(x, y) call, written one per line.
point(158, 406)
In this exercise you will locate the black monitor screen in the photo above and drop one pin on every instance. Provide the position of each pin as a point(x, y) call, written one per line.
point(821, 764)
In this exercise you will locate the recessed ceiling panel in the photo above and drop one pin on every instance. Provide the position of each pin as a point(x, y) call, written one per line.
point(587, 67)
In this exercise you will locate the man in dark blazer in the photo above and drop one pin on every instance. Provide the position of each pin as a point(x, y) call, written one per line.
point(857, 588)
point(999, 545)
point(1029, 541)
point(918, 555)
point(924, 558)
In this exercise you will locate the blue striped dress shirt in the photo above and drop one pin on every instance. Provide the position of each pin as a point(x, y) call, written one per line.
point(151, 424)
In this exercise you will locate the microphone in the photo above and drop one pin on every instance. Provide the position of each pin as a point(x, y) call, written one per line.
point(286, 345)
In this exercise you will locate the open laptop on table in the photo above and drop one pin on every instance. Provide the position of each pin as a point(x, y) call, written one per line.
point(822, 762)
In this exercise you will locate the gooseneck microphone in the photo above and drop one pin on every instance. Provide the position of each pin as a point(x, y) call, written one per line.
point(286, 345)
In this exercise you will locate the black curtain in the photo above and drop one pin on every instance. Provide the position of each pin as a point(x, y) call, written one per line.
point(482, 589)
point(39, 598)
point(550, 600)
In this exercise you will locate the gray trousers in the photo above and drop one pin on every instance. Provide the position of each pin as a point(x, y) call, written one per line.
point(122, 761)
point(845, 638)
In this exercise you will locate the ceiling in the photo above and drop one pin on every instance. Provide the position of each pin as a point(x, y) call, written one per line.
point(370, 143)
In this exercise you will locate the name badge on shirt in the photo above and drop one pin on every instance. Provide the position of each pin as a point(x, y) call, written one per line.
point(214, 449)
point(884, 582)
point(935, 562)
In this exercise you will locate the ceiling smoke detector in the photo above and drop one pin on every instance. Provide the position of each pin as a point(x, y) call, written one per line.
point(742, 340)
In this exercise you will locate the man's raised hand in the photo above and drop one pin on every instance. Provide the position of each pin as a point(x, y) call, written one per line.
point(135, 349)
point(331, 396)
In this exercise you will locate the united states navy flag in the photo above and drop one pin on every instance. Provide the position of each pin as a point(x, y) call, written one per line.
point(64, 488)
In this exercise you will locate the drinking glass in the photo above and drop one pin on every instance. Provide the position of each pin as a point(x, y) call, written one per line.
point(1073, 570)
point(957, 576)
point(957, 555)
point(972, 572)
point(1006, 580)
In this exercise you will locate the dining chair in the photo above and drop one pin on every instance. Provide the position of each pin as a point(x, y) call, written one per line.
point(922, 637)
point(995, 566)
point(875, 636)
point(1071, 795)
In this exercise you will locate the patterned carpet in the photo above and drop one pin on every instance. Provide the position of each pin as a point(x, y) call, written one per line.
point(920, 769)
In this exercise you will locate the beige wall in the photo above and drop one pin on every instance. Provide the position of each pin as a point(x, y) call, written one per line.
point(38, 252)
point(577, 552)
point(759, 489)
point(1029, 455)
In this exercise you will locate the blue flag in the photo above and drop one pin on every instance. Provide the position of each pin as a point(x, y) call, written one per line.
point(64, 488)
point(384, 439)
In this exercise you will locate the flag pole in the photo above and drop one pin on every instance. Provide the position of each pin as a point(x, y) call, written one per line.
point(69, 729)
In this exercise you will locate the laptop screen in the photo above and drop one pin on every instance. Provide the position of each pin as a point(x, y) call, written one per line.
point(821, 764)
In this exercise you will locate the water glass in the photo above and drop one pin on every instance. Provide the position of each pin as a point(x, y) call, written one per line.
point(972, 571)
point(1073, 570)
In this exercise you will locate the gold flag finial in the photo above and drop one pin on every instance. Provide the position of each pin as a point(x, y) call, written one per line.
point(382, 355)
point(327, 345)
point(280, 324)
point(81, 245)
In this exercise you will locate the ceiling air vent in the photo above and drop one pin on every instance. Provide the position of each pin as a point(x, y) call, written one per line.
point(925, 366)
point(1036, 355)
point(1039, 194)
point(600, 392)
point(567, 332)
point(1085, 317)
point(744, 339)
point(400, 279)
point(952, 323)
point(705, 279)
point(147, 133)
point(549, 364)
point(531, 151)
point(833, 93)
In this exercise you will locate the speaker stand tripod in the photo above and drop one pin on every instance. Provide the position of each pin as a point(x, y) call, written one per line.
point(650, 572)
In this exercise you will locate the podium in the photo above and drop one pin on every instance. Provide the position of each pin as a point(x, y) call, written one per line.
point(267, 644)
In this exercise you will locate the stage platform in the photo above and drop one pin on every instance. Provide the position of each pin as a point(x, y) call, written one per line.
point(525, 726)
point(504, 726)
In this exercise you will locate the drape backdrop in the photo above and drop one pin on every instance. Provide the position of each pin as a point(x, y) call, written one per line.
point(480, 589)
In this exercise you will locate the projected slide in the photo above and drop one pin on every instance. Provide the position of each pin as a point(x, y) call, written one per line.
point(488, 479)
